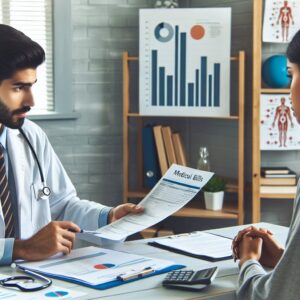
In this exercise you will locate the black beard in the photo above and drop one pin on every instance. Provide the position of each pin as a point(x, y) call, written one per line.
point(6, 116)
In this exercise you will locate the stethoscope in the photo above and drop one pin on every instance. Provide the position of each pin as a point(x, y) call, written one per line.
point(45, 191)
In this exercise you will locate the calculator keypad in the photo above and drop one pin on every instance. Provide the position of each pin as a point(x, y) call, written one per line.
point(190, 277)
point(179, 276)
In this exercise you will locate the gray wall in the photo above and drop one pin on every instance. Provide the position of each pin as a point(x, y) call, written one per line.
point(91, 147)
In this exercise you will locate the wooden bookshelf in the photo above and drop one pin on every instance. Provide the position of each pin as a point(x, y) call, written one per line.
point(257, 91)
point(232, 209)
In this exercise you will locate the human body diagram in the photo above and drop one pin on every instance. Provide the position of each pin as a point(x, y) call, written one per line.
point(283, 114)
point(285, 17)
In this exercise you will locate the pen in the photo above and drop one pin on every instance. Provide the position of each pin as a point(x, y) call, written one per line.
point(135, 274)
point(84, 231)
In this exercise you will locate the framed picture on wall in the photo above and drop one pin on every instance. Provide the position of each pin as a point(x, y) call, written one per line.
point(281, 20)
point(279, 128)
point(182, 70)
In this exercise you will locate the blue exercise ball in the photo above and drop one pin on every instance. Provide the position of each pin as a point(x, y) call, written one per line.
point(274, 72)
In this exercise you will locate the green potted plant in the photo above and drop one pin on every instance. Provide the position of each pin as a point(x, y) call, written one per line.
point(214, 193)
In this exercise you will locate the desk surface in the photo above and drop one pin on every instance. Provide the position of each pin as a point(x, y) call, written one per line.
point(223, 287)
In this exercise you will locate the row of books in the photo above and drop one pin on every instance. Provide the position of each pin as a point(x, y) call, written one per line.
point(161, 148)
point(278, 180)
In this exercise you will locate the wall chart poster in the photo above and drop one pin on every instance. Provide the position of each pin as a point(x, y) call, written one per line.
point(185, 61)
point(281, 20)
point(279, 128)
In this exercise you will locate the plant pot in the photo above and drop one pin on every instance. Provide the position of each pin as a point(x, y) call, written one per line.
point(214, 201)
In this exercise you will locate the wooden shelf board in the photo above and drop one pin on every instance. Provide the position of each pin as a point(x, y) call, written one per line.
point(232, 187)
point(137, 115)
point(277, 196)
point(205, 213)
point(275, 91)
point(195, 208)
point(137, 194)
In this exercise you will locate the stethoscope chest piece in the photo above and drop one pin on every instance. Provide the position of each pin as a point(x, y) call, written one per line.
point(44, 193)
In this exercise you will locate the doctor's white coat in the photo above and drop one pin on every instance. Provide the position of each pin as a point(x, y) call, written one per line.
point(63, 203)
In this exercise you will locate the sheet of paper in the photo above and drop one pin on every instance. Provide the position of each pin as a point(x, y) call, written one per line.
point(200, 243)
point(96, 266)
point(48, 293)
point(174, 190)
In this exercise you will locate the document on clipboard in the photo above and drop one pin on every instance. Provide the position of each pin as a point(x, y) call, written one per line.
point(100, 268)
point(175, 189)
point(201, 245)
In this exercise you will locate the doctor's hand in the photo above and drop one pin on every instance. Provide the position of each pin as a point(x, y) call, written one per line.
point(57, 236)
point(122, 210)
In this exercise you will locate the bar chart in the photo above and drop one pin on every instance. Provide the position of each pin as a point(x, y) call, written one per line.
point(182, 71)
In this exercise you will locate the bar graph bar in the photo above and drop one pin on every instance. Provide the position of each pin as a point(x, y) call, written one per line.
point(161, 86)
point(190, 94)
point(217, 68)
point(203, 68)
point(154, 77)
point(174, 90)
point(209, 90)
point(176, 65)
point(170, 90)
point(197, 85)
point(182, 68)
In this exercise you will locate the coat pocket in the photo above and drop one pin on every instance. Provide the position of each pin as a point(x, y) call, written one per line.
point(40, 209)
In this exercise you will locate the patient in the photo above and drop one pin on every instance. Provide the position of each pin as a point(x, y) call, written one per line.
point(256, 248)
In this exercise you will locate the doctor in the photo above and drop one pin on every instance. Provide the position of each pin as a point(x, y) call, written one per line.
point(34, 227)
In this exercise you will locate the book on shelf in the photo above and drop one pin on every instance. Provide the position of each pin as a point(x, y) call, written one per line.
point(151, 169)
point(179, 149)
point(278, 189)
point(169, 147)
point(160, 148)
point(278, 181)
point(288, 175)
point(275, 170)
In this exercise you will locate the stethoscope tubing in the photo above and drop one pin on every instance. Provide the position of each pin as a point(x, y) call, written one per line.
point(33, 153)
point(45, 191)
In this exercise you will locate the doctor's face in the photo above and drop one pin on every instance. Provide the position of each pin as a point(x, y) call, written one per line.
point(294, 72)
point(16, 97)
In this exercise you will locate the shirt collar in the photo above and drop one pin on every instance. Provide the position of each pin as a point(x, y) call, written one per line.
point(3, 138)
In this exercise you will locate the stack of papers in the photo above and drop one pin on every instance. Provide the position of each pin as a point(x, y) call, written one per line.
point(197, 244)
point(98, 267)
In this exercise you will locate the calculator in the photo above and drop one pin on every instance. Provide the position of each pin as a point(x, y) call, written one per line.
point(188, 279)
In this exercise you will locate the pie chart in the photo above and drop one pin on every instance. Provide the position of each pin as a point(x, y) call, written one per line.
point(103, 266)
point(56, 294)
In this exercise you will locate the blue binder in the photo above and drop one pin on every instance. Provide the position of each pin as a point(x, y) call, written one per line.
point(116, 282)
point(89, 256)
point(151, 166)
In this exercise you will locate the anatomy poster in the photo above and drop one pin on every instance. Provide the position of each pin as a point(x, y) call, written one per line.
point(279, 128)
point(182, 70)
point(281, 20)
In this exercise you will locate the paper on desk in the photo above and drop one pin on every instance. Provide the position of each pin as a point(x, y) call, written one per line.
point(174, 190)
point(95, 266)
point(200, 244)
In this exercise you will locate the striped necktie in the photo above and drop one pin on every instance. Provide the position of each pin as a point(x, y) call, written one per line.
point(6, 199)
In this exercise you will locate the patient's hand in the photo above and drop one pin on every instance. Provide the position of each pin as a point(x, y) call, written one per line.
point(271, 250)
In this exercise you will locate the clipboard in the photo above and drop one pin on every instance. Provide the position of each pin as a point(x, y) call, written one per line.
point(135, 266)
point(200, 245)
point(116, 282)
